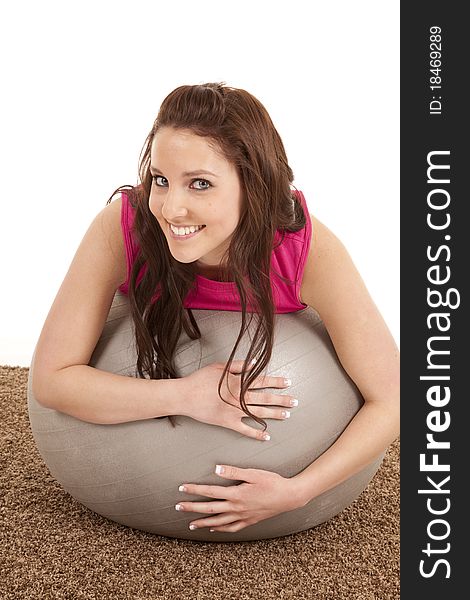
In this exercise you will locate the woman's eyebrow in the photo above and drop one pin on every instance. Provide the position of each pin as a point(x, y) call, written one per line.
point(186, 173)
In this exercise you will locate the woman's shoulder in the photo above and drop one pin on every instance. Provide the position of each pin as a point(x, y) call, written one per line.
point(111, 226)
point(328, 266)
point(111, 215)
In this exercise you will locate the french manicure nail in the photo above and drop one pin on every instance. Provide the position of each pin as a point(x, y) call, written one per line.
point(266, 437)
point(294, 402)
point(181, 488)
point(287, 382)
point(193, 526)
point(285, 414)
point(179, 507)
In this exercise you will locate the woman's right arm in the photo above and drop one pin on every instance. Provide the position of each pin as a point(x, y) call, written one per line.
point(62, 379)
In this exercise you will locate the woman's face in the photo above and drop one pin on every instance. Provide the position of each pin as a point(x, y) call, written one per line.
point(193, 186)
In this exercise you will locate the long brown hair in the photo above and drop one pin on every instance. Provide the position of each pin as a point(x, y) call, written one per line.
point(238, 125)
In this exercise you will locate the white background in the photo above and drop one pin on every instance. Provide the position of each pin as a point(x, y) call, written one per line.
point(81, 87)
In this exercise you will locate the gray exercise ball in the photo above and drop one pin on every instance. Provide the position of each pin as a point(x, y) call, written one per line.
point(130, 472)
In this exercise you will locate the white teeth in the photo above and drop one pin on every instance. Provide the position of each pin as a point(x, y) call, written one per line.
point(185, 230)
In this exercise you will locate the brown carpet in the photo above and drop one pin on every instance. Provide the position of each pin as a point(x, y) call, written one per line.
point(53, 547)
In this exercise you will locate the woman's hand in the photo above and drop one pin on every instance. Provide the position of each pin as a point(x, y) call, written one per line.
point(202, 401)
point(263, 494)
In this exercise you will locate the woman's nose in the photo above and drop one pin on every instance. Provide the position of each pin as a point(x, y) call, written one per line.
point(174, 206)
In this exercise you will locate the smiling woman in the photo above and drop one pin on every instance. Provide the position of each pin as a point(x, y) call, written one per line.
point(216, 225)
point(225, 137)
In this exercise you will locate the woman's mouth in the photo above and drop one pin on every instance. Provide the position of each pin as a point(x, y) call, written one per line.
point(184, 233)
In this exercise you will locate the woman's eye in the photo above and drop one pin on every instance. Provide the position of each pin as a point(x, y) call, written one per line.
point(203, 181)
point(156, 178)
point(161, 181)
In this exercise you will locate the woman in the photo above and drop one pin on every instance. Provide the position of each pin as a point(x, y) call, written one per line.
point(215, 224)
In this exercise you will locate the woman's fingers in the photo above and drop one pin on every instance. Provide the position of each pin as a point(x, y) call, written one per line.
point(265, 398)
point(257, 434)
point(263, 381)
point(269, 381)
point(269, 413)
point(237, 366)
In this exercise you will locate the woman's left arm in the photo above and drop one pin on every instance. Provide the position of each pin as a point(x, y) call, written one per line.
point(368, 353)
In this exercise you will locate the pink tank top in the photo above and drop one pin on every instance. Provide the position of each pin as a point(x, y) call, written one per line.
point(288, 260)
